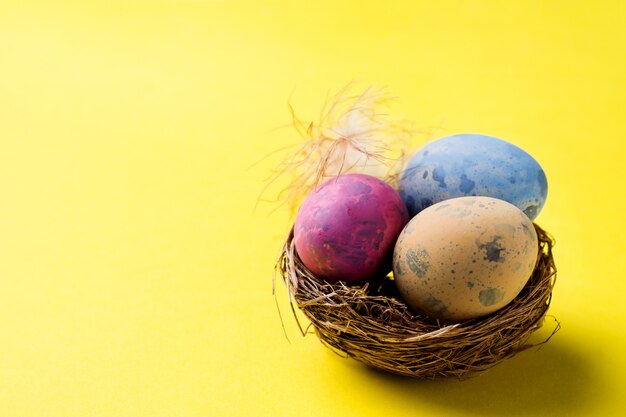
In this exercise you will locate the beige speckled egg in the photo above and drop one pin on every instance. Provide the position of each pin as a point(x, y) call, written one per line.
point(464, 258)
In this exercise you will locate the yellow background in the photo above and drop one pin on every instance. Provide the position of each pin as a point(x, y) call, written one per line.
point(135, 274)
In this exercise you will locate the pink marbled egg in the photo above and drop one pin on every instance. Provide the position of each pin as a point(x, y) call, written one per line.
point(346, 229)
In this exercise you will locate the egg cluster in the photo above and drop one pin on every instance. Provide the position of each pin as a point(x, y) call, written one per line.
point(458, 234)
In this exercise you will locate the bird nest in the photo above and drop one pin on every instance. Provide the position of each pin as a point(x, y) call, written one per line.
point(372, 324)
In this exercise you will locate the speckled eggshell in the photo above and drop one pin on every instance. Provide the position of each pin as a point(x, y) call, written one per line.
point(473, 165)
point(464, 258)
point(347, 228)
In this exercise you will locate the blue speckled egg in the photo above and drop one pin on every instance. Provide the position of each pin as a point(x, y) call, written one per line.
point(473, 165)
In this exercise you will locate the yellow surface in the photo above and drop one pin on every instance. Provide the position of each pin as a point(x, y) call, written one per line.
point(135, 277)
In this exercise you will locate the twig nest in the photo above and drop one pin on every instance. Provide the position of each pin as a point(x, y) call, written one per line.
point(371, 323)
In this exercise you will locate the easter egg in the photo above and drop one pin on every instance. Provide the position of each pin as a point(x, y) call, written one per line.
point(347, 228)
point(473, 165)
point(464, 258)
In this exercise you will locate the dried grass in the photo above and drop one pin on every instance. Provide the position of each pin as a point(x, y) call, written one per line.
point(353, 133)
point(370, 323)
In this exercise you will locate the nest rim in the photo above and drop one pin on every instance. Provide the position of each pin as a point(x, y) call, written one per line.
point(370, 322)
